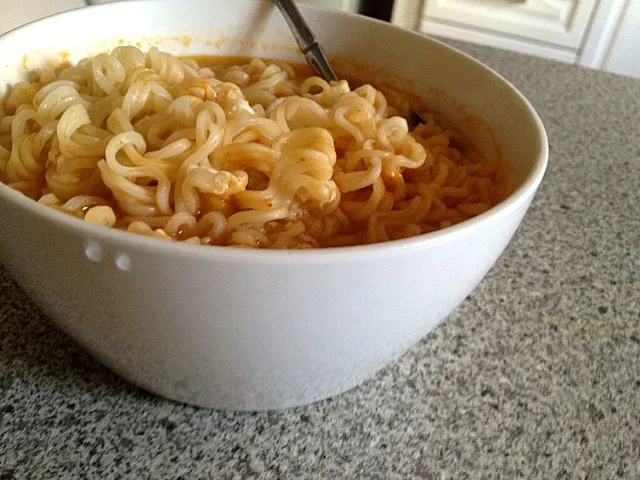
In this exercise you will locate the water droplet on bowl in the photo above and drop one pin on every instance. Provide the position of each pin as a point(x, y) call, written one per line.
point(123, 262)
point(93, 251)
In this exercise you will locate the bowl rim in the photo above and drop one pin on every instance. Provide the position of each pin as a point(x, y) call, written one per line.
point(524, 192)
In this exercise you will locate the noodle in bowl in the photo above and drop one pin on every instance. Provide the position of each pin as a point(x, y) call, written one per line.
point(248, 155)
point(144, 136)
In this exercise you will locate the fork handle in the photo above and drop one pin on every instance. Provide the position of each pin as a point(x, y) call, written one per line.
point(306, 40)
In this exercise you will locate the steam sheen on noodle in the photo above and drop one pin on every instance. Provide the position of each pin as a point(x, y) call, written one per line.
point(246, 155)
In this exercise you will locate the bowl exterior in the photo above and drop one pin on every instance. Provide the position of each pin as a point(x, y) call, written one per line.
point(235, 334)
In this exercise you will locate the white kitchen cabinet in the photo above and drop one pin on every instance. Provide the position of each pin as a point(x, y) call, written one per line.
point(595, 33)
point(558, 22)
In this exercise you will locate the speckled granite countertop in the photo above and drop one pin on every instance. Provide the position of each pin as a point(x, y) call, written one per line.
point(536, 375)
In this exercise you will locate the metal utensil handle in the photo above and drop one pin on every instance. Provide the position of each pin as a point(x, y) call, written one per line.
point(306, 40)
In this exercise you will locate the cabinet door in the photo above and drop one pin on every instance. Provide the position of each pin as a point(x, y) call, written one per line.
point(559, 22)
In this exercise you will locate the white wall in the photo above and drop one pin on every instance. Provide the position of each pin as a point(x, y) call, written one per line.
point(623, 56)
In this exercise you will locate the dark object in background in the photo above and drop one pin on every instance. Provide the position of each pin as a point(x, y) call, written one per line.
point(380, 9)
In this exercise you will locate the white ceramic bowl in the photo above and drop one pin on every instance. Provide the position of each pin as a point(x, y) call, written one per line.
point(251, 330)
